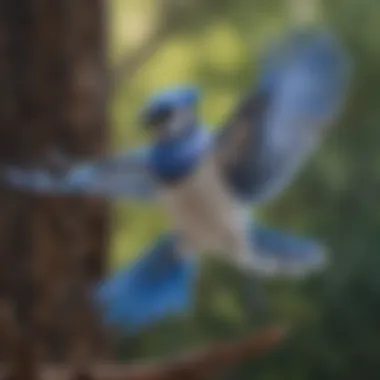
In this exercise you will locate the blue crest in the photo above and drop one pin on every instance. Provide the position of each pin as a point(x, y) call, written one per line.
point(171, 98)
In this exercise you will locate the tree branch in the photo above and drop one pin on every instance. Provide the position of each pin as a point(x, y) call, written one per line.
point(197, 365)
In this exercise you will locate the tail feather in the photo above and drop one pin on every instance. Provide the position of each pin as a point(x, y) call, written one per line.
point(159, 284)
point(275, 253)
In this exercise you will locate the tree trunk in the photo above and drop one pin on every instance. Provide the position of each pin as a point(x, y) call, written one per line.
point(53, 96)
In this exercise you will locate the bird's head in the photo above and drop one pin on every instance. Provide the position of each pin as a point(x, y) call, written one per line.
point(179, 141)
point(170, 113)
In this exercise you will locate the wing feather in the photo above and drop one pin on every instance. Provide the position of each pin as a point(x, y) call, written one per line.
point(159, 284)
point(124, 175)
point(301, 90)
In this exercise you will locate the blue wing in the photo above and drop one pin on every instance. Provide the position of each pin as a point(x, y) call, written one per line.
point(277, 253)
point(124, 175)
point(159, 284)
point(302, 87)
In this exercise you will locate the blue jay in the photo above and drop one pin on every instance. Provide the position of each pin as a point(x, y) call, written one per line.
point(209, 182)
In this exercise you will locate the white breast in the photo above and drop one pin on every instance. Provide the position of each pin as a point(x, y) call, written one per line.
point(206, 214)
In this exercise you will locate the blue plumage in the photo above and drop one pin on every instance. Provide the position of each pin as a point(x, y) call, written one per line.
point(207, 181)
point(159, 283)
point(124, 175)
point(180, 96)
point(302, 85)
point(173, 159)
point(162, 281)
point(291, 254)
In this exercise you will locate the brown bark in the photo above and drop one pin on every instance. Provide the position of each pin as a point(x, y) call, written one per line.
point(198, 365)
point(53, 96)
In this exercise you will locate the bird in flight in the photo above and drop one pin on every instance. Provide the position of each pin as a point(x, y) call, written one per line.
point(208, 182)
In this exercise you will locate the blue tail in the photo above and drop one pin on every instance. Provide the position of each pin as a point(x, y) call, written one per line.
point(159, 284)
point(278, 253)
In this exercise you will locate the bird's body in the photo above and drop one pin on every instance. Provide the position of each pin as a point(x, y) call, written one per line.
point(213, 223)
point(208, 183)
point(191, 190)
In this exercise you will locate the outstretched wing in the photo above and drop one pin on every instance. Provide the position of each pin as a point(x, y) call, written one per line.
point(301, 89)
point(161, 283)
point(125, 175)
point(278, 253)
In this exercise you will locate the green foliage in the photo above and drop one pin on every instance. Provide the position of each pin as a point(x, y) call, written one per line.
point(335, 315)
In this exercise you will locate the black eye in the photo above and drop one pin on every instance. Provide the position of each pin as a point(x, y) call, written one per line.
point(158, 117)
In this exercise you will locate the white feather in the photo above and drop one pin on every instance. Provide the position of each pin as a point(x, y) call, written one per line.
point(206, 213)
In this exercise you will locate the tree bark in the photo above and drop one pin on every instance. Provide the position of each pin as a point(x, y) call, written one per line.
point(52, 96)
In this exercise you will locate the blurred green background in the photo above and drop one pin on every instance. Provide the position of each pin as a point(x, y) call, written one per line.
point(216, 44)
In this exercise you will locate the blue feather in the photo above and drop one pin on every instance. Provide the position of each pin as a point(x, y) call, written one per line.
point(161, 283)
point(174, 158)
point(302, 87)
point(180, 95)
point(175, 97)
point(286, 254)
point(124, 175)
